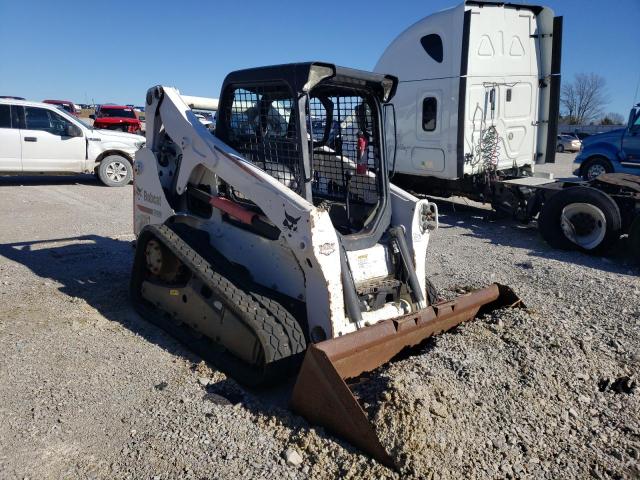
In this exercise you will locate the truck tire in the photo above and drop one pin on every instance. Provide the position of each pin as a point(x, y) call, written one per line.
point(595, 167)
point(634, 239)
point(115, 171)
point(560, 148)
point(580, 218)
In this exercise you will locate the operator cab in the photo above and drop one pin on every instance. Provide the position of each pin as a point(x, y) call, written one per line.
point(317, 129)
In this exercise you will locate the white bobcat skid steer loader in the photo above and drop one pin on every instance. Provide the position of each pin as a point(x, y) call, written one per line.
point(282, 235)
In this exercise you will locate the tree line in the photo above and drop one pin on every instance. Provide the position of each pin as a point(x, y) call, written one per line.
point(583, 101)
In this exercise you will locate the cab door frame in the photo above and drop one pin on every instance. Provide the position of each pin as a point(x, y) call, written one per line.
point(10, 143)
point(631, 140)
point(47, 150)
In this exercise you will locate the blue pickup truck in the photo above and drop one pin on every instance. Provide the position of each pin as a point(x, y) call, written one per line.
point(617, 151)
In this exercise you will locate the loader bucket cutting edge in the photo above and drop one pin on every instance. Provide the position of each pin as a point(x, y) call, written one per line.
point(321, 394)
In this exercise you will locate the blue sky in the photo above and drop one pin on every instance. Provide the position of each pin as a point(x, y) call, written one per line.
point(112, 51)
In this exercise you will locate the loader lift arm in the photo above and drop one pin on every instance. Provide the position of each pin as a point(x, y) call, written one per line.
point(170, 115)
point(199, 147)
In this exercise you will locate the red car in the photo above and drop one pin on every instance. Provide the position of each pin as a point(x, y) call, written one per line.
point(67, 105)
point(117, 117)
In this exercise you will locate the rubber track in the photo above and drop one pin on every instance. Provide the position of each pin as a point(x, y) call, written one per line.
point(278, 332)
point(259, 293)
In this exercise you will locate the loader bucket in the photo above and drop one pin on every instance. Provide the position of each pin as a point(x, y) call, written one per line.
point(321, 394)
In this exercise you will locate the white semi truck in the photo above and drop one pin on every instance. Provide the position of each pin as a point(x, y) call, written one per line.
point(478, 92)
point(477, 108)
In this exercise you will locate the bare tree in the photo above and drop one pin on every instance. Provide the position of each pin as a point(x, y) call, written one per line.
point(612, 118)
point(583, 100)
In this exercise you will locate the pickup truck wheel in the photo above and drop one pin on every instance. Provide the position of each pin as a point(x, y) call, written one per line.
point(580, 218)
point(115, 171)
point(595, 167)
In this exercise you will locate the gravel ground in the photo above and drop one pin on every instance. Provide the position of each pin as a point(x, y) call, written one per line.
point(90, 390)
point(549, 391)
point(562, 169)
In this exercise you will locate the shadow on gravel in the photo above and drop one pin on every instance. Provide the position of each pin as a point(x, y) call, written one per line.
point(35, 180)
point(502, 231)
point(96, 269)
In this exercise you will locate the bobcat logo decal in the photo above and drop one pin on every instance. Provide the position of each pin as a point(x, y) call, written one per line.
point(290, 223)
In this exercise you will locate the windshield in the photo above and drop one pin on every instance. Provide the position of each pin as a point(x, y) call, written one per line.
point(84, 124)
point(66, 107)
point(73, 118)
point(117, 112)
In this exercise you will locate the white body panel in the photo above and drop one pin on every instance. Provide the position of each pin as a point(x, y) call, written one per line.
point(46, 152)
point(10, 150)
point(100, 141)
point(304, 263)
point(369, 263)
point(406, 211)
point(264, 257)
point(502, 57)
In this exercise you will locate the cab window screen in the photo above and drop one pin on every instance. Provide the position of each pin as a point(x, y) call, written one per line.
point(346, 154)
point(262, 128)
point(5, 116)
point(429, 114)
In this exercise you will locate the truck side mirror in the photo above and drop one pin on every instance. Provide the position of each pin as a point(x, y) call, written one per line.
point(73, 131)
point(632, 124)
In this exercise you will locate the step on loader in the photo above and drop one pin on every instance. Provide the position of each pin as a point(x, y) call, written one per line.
point(278, 243)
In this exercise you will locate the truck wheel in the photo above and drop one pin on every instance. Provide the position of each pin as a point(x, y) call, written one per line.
point(560, 148)
point(634, 239)
point(580, 218)
point(595, 167)
point(115, 171)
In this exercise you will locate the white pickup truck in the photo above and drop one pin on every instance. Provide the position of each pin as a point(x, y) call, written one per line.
point(38, 138)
